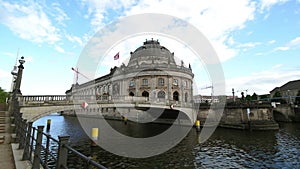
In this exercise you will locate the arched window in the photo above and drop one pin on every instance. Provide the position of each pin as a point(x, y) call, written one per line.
point(161, 95)
point(186, 97)
point(176, 96)
point(145, 94)
point(131, 94)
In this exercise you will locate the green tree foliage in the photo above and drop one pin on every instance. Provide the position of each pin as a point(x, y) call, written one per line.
point(248, 97)
point(254, 96)
point(277, 98)
point(3, 95)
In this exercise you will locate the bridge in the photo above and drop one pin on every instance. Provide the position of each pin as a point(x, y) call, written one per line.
point(34, 107)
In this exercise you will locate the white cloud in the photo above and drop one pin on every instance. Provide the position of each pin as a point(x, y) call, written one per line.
point(4, 74)
point(282, 48)
point(9, 54)
point(73, 39)
point(267, 4)
point(29, 22)
point(272, 41)
point(249, 44)
point(263, 81)
point(295, 43)
point(59, 15)
point(216, 19)
point(59, 49)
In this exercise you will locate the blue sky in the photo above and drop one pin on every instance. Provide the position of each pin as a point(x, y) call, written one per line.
point(258, 42)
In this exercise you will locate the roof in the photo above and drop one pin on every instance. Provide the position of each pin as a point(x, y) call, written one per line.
point(291, 85)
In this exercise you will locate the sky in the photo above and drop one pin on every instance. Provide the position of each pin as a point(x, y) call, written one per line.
point(257, 42)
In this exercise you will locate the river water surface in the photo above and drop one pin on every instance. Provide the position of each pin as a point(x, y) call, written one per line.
point(227, 148)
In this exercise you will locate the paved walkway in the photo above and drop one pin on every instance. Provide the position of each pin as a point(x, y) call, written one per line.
point(6, 157)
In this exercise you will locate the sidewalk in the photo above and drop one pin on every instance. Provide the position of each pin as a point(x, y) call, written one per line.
point(6, 157)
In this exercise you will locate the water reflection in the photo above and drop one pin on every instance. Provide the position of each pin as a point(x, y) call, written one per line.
point(226, 148)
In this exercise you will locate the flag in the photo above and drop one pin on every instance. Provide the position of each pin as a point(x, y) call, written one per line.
point(84, 105)
point(116, 57)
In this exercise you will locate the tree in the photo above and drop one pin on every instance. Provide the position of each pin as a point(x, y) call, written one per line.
point(254, 96)
point(248, 97)
point(3, 95)
point(278, 98)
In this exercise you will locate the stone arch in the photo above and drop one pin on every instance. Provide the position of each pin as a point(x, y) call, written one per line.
point(161, 95)
point(33, 113)
point(176, 96)
point(145, 94)
point(131, 94)
point(280, 117)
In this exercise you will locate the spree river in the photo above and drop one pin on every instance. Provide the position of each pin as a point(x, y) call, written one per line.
point(226, 148)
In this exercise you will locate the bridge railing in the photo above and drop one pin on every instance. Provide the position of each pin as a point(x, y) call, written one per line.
point(38, 147)
point(42, 99)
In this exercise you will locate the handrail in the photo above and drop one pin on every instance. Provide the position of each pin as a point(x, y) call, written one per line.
point(35, 141)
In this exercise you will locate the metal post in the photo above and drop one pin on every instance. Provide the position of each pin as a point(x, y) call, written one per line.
point(47, 150)
point(38, 147)
point(27, 142)
point(22, 133)
point(31, 143)
point(62, 152)
point(18, 125)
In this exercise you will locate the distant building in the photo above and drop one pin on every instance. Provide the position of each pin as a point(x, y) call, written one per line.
point(288, 91)
point(150, 73)
point(205, 99)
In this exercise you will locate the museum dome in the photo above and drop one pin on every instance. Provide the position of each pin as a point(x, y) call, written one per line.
point(151, 53)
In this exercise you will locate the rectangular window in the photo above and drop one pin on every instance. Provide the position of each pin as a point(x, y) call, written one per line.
point(131, 83)
point(175, 82)
point(161, 82)
point(145, 82)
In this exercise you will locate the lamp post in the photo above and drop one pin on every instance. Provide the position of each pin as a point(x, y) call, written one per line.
point(19, 77)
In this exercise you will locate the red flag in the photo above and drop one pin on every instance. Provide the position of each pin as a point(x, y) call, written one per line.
point(84, 105)
point(116, 57)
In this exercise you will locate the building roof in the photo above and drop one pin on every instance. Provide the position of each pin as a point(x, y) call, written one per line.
point(291, 85)
point(151, 52)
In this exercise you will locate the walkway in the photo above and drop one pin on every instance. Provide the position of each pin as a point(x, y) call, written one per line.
point(6, 157)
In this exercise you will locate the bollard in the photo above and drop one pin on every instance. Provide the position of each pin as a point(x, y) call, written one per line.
point(48, 125)
point(95, 133)
point(62, 155)
point(125, 120)
point(198, 125)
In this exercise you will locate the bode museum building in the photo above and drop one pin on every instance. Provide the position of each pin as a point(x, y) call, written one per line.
point(151, 75)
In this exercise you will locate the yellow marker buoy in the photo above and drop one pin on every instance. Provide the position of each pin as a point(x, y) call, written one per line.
point(125, 120)
point(48, 124)
point(94, 136)
point(197, 125)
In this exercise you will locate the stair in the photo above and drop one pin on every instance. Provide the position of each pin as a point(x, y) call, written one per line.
point(5, 122)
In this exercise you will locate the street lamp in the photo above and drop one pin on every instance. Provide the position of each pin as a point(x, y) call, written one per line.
point(19, 76)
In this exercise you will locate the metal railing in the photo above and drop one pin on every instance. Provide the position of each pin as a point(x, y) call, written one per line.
point(38, 147)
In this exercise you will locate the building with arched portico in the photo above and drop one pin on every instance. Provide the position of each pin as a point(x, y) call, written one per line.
point(150, 75)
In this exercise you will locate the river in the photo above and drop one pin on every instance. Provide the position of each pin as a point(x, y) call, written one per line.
point(226, 148)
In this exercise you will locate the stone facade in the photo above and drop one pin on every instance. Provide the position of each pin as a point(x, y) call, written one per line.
point(151, 75)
